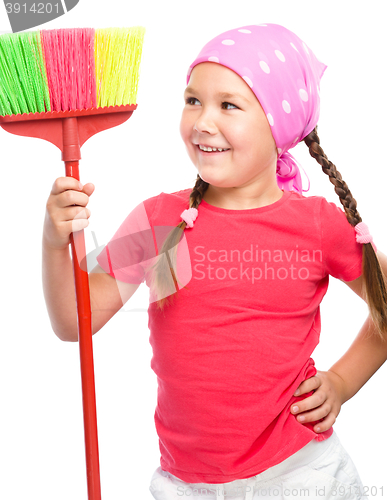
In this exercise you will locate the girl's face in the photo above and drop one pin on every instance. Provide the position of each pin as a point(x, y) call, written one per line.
point(221, 111)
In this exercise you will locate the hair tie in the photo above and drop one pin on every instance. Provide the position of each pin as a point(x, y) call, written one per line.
point(363, 234)
point(189, 216)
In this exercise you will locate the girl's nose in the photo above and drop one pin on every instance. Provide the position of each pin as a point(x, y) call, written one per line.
point(204, 123)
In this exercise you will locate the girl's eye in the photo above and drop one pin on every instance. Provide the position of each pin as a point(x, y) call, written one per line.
point(189, 99)
point(229, 104)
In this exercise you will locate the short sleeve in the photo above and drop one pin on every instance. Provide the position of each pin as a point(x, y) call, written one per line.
point(342, 254)
point(125, 256)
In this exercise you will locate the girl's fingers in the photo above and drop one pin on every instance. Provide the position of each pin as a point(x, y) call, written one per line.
point(315, 407)
point(71, 213)
point(325, 424)
point(68, 192)
point(317, 399)
point(78, 224)
point(64, 183)
point(70, 198)
point(308, 385)
point(316, 414)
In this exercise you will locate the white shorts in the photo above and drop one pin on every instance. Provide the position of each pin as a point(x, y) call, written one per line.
point(321, 470)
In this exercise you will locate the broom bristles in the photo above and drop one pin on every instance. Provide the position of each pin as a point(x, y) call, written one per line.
point(69, 69)
point(21, 80)
point(118, 54)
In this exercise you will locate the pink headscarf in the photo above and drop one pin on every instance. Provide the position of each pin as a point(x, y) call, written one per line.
point(284, 75)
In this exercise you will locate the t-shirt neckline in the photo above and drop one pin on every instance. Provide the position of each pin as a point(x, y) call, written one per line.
point(266, 208)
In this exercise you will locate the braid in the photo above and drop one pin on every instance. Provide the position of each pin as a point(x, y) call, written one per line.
point(349, 203)
point(197, 192)
point(164, 278)
point(375, 285)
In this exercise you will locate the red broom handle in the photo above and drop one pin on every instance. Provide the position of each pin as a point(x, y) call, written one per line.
point(71, 149)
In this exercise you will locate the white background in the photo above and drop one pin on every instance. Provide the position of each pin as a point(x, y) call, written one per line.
point(42, 443)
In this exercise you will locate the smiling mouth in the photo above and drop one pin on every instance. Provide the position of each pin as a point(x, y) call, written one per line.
point(211, 152)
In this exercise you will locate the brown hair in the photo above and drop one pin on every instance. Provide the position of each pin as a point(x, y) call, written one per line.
point(374, 289)
point(374, 281)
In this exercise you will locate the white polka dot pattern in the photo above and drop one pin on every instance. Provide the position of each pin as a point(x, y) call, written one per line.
point(286, 106)
point(228, 42)
point(280, 56)
point(264, 67)
point(247, 80)
point(303, 94)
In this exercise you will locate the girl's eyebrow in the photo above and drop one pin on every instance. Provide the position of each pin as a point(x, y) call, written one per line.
point(223, 95)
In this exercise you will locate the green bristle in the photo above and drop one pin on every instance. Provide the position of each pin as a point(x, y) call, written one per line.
point(7, 74)
point(32, 57)
point(41, 65)
point(17, 84)
point(23, 80)
point(5, 108)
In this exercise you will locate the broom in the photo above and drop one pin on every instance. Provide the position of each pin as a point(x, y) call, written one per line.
point(64, 86)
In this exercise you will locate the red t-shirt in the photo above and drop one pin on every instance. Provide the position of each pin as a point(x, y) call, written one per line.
point(237, 341)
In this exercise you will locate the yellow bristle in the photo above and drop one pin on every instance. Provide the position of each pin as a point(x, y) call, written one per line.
point(117, 61)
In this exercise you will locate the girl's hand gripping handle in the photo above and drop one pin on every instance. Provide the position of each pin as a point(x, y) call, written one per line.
point(66, 211)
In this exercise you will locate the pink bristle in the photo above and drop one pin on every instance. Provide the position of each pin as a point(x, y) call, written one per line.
point(89, 63)
point(73, 65)
point(84, 56)
point(66, 65)
point(70, 68)
point(92, 93)
point(47, 41)
point(79, 95)
point(61, 77)
point(63, 68)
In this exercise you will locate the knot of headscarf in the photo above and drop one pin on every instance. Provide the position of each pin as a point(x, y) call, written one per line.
point(284, 75)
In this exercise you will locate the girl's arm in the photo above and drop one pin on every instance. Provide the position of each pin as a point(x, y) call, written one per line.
point(66, 212)
point(367, 352)
point(364, 358)
point(107, 295)
point(58, 290)
point(346, 377)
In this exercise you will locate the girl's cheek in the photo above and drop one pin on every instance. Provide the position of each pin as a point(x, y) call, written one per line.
point(184, 132)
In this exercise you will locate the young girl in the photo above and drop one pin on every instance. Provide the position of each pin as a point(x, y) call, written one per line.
point(237, 268)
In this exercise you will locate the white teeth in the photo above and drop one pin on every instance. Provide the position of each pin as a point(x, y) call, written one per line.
point(204, 148)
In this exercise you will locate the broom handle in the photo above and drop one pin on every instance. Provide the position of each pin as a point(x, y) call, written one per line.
point(82, 293)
